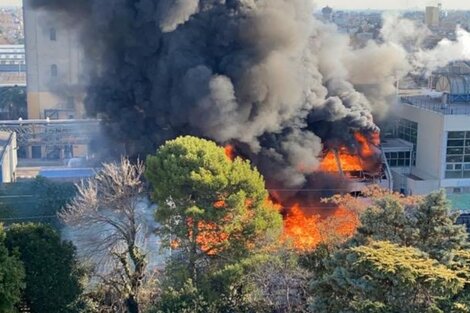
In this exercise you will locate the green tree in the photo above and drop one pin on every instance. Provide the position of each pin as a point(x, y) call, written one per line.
point(53, 275)
point(423, 225)
point(209, 206)
point(11, 277)
point(428, 225)
point(384, 277)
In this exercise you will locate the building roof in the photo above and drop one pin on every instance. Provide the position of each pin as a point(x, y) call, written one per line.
point(436, 105)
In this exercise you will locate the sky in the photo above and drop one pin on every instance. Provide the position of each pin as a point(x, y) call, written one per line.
point(358, 4)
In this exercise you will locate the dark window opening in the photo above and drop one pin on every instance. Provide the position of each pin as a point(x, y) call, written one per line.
point(54, 70)
point(53, 34)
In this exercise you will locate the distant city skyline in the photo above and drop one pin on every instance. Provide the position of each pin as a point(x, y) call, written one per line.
point(357, 4)
point(393, 4)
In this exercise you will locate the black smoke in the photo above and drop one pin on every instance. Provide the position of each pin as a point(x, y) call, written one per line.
point(263, 74)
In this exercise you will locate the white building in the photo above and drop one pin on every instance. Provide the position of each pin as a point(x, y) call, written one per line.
point(434, 147)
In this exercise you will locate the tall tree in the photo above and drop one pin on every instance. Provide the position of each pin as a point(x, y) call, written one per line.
point(210, 206)
point(11, 277)
point(408, 232)
point(427, 224)
point(53, 275)
point(108, 219)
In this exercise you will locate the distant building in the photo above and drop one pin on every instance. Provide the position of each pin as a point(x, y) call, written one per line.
point(12, 65)
point(432, 18)
point(8, 157)
point(327, 13)
point(54, 73)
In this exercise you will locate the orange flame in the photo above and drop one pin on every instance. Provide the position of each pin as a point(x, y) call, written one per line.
point(301, 230)
point(348, 162)
point(230, 152)
point(306, 232)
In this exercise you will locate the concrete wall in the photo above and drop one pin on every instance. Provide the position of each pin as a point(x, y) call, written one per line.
point(430, 154)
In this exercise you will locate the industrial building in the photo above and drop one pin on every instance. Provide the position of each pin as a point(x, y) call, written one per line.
point(12, 65)
point(54, 72)
point(55, 87)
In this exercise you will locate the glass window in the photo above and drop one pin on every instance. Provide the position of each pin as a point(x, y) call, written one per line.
point(453, 174)
point(454, 150)
point(408, 130)
point(455, 143)
point(458, 155)
point(454, 158)
point(457, 135)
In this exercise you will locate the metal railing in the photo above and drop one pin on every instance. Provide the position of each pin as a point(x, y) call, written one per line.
point(425, 103)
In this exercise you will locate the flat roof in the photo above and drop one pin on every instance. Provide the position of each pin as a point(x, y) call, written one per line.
point(435, 104)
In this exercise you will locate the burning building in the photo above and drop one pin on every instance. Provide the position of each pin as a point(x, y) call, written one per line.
point(284, 89)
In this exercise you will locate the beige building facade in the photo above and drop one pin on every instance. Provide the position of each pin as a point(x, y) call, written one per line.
point(54, 66)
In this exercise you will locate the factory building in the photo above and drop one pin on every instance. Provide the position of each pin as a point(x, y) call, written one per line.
point(54, 72)
point(55, 81)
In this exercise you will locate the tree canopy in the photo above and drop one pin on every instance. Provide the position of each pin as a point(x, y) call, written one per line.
point(384, 277)
point(52, 272)
point(406, 256)
point(11, 277)
point(209, 204)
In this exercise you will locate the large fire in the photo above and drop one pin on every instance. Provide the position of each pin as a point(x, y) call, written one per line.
point(348, 162)
point(305, 232)
point(322, 224)
point(344, 159)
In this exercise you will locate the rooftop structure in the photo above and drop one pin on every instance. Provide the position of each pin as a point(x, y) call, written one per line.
point(53, 139)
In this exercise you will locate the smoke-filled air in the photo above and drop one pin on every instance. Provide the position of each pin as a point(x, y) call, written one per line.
point(262, 75)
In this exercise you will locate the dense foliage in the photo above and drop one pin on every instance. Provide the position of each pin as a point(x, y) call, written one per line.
point(52, 272)
point(407, 256)
point(211, 208)
point(11, 277)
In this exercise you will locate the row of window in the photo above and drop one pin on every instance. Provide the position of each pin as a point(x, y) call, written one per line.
point(12, 62)
point(408, 130)
point(398, 159)
point(12, 56)
point(458, 155)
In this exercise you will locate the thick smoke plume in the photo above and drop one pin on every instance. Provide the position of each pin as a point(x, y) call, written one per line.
point(264, 74)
